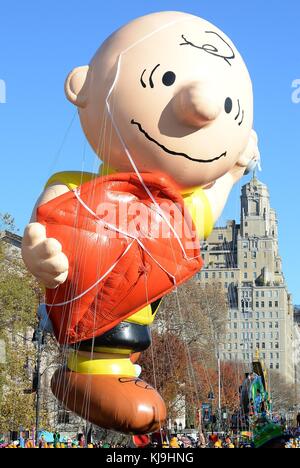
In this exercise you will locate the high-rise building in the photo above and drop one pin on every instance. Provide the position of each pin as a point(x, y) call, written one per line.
point(244, 259)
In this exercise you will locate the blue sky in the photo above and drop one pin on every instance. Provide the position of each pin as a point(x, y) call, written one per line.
point(40, 42)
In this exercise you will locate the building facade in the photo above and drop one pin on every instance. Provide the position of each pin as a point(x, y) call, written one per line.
point(244, 259)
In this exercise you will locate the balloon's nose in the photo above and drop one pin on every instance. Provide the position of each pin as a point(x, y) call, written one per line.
point(197, 104)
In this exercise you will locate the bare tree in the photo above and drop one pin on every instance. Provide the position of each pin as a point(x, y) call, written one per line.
point(283, 394)
point(197, 314)
point(189, 325)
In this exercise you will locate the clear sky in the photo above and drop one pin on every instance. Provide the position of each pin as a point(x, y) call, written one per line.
point(41, 41)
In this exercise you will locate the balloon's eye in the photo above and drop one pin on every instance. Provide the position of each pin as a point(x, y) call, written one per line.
point(169, 78)
point(228, 105)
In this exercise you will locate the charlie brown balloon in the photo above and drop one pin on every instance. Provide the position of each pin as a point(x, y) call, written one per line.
point(166, 103)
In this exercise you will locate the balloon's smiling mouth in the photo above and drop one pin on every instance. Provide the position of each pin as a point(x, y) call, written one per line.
point(175, 153)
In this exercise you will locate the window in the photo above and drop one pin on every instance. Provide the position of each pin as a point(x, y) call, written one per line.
point(271, 365)
point(245, 245)
point(270, 324)
point(232, 275)
point(206, 275)
point(276, 345)
point(257, 304)
point(257, 315)
point(214, 274)
point(220, 237)
point(276, 304)
point(63, 417)
point(257, 294)
point(276, 324)
point(270, 304)
point(245, 275)
point(245, 265)
point(277, 366)
point(253, 255)
point(254, 265)
point(254, 275)
point(262, 294)
point(235, 325)
point(263, 345)
point(262, 304)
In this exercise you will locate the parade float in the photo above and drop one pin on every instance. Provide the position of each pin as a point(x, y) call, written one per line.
point(256, 405)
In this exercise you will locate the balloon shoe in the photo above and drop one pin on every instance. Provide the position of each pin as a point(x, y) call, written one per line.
point(107, 393)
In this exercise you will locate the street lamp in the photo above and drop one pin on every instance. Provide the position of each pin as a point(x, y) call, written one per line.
point(175, 427)
point(39, 342)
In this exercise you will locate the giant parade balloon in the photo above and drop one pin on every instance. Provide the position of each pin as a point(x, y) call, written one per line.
point(166, 103)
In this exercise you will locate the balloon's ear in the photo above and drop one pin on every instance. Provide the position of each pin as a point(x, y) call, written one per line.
point(76, 86)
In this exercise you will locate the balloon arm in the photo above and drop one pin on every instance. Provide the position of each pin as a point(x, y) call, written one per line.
point(218, 195)
point(43, 257)
point(219, 192)
point(51, 192)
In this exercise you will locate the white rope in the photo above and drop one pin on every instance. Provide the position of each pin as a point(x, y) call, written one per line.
point(126, 234)
point(61, 304)
point(160, 211)
point(124, 144)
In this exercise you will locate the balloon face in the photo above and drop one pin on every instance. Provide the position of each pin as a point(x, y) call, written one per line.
point(178, 98)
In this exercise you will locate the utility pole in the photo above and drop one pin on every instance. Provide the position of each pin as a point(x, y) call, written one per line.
point(38, 339)
point(219, 393)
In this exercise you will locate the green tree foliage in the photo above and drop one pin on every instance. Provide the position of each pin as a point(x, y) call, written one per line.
point(19, 296)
